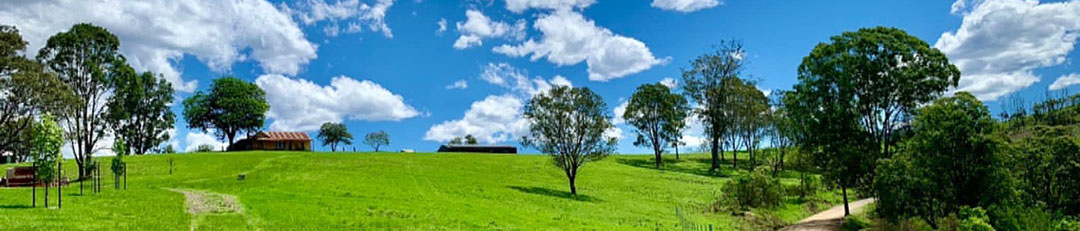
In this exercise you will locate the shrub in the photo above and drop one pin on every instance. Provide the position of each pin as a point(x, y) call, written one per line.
point(756, 189)
point(974, 219)
point(204, 148)
point(1068, 225)
point(808, 187)
point(854, 223)
point(1016, 218)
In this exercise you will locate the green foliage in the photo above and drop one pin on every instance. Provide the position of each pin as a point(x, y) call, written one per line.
point(1067, 225)
point(334, 133)
point(121, 149)
point(974, 219)
point(83, 59)
point(139, 108)
point(753, 190)
point(657, 115)
point(470, 139)
point(168, 149)
point(1010, 217)
point(232, 106)
point(708, 83)
point(47, 141)
point(950, 162)
point(1047, 166)
point(26, 91)
point(377, 139)
point(569, 124)
point(854, 223)
point(456, 140)
point(854, 94)
point(205, 148)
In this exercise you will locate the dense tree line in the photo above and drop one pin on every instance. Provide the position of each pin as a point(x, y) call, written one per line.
point(80, 79)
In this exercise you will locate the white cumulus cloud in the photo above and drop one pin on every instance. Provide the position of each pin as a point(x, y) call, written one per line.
point(569, 38)
point(497, 118)
point(442, 26)
point(669, 82)
point(460, 84)
point(155, 34)
point(685, 5)
point(1000, 43)
point(354, 14)
point(301, 105)
point(1065, 81)
point(195, 138)
point(478, 27)
point(518, 6)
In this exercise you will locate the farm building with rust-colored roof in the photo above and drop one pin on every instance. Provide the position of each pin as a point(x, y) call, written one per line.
point(296, 141)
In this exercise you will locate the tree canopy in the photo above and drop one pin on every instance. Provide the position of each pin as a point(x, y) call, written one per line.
point(83, 58)
point(377, 139)
point(856, 91)
point(139, 109)
point(950, 162)
point(26, 91)
point(232, 106)
point(569, 124)
point(333, 134)
point(657, 115)
point(707, 83)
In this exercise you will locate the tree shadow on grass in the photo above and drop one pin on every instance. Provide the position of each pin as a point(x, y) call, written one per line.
point(671, 165)
point(555, 193)
point(15, 207)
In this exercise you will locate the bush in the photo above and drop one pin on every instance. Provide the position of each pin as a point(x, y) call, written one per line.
point(808, 187)
point(756, 189)
point(1068, 225)
point(1017, 218)
point(974, 219)
point(204, 148)
point(854, 223)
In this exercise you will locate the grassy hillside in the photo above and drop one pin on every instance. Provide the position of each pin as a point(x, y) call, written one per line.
point(303, 191)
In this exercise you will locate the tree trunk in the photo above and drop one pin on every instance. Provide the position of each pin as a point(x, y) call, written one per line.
point(676, 151)
point(573, 188)
point(59, 184)
point(847, 211)
point(46, 195)
point(715, 155)
point(656, 150)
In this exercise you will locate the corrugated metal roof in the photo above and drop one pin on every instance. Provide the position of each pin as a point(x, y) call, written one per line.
point(278, 136)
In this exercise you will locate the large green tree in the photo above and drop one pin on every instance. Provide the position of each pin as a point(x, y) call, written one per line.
point(26, 92)
point(568, 124)
point(779, 127)
point(83, 58)
point(657, 116)
point(747, 107)
point(377, 139)
point(232, 106)
point(859, 89)
point(139, 110)
point(707, 83)
point(333, 134)
point(950, 162)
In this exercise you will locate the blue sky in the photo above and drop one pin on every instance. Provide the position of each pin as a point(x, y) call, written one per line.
point(386, 65)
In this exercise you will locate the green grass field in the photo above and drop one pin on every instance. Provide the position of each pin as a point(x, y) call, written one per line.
point(389, 191)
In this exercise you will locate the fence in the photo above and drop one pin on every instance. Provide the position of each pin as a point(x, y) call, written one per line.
point(688, 225)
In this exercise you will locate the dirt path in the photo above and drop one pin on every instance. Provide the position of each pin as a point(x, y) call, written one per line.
point(828, 220)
